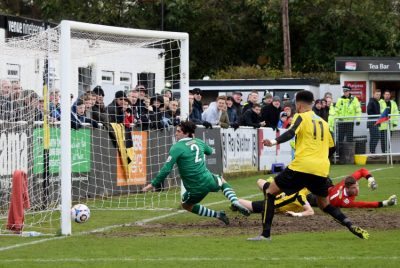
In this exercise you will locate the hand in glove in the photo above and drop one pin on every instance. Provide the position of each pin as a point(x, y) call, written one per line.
point(391, 201)
point(372, 183)
point(207, 124)
point(235, 126)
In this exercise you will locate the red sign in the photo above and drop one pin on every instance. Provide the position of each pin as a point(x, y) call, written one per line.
point(359, 90)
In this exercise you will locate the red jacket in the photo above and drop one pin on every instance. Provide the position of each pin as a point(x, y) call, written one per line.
point(339, 198)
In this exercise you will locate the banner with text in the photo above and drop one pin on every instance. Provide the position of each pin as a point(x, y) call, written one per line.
point(137, 167)
point(239, 150)
point(80, 150)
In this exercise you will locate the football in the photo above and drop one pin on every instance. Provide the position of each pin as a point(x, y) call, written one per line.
point(80, 213)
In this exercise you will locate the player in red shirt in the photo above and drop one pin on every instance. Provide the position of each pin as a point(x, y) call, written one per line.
point(344, 193)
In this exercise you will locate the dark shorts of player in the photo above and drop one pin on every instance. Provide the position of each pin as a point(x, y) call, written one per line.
point(194, 196)
point(290, 182)
point(312, 198)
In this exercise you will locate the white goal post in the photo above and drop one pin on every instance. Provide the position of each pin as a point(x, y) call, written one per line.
point(65, 75)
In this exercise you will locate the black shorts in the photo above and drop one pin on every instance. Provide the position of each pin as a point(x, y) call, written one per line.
point(290, 182)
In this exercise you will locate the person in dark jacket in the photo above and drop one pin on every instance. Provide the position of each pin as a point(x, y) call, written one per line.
point(78, 118)
point(157, 102)
point(172, 116)
point(233, 118)
point(197, 109)
point(116, 109)
point(237, 99)
point(270, 113)
point(252, 117)
point(251, 100)
point(99, 112)
point(373, 108)
point(318, 108)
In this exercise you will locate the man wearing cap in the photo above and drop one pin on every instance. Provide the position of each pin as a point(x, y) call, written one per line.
point(267, 100)
point(197, 109)
point(347, 105)
point(116, 109)
point(270, 113)
point(99, 112)
point(237, 99)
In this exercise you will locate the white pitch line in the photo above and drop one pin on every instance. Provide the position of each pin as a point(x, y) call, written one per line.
point(142, 222)
point(372, 170)
point(197, 259)
point(32, 243)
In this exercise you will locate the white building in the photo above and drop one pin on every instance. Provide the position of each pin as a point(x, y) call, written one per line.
point(114, 69)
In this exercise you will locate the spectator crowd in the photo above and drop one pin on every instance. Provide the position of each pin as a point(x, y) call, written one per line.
point(136, 108)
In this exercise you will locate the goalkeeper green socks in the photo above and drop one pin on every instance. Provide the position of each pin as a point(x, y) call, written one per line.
point(203, 211)
point(229, 192)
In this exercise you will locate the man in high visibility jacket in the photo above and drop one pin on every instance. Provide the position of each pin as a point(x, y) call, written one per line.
point(347, 105)
point(331, 110)
point(384, 103)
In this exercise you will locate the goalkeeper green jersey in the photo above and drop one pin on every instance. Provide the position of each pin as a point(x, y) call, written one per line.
point(189, 155)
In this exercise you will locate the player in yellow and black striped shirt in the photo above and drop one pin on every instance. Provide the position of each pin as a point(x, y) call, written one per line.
point(310, 166)
point(295, 205)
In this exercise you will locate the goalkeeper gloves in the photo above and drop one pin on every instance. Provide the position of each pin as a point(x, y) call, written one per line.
point(391, 201)
point(372, 183)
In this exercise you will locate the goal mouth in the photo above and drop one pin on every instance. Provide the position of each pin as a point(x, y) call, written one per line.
point(103, 156)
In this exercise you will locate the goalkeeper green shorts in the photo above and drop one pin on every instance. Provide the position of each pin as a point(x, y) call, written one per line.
point(194, 196)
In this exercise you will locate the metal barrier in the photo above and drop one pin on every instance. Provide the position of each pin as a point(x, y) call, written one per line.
point(361, 135)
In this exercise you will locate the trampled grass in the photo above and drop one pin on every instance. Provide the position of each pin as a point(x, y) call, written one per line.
point(199, 242)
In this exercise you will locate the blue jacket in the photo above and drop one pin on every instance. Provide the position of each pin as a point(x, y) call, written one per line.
point(197, 110)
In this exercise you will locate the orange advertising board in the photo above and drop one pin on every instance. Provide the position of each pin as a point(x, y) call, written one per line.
point(137, 167)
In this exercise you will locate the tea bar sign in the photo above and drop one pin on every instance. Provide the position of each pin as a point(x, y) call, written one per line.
point(367, 65)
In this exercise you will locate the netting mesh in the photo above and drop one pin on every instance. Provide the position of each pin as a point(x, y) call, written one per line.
point(119, 141)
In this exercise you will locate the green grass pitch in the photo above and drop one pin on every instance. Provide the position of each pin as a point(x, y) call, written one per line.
point(176, 239)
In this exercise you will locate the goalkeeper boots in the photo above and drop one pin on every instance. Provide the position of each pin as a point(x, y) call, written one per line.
point(361, 233)
point(242, 209)
point(392, 200)
point(222, 217)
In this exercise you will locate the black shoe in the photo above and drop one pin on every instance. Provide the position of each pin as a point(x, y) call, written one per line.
point(242, 209)
point(222, 217)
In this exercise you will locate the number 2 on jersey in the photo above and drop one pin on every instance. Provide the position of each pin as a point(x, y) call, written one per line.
point(196, 147)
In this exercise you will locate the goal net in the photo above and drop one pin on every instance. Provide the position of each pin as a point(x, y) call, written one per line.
point(91, 123)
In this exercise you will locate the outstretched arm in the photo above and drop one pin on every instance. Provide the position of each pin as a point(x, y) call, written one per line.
point(361, 173)
point(308, 210)
point(165, 170)
point(364, 173)
point(362, 204)
point(288, 135)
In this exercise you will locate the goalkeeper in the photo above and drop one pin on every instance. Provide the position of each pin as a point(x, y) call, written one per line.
point(343, 194)
point(295, 205)
point(189, 154)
